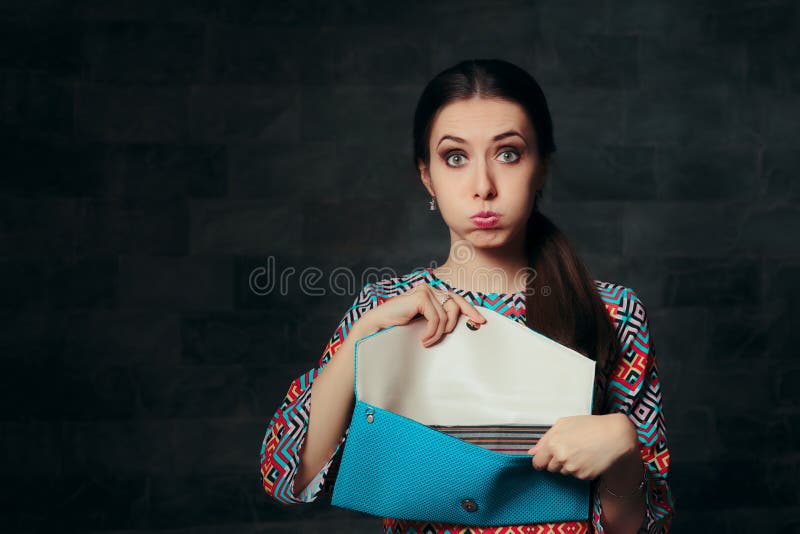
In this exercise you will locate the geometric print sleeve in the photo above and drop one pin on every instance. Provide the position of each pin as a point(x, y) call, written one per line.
point(288, 427)
point(634, 389)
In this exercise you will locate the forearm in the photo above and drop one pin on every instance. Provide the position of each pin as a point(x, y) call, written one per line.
point(622, 477)
point(331, 405)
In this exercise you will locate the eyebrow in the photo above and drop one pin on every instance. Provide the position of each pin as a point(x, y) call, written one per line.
point(497, 137)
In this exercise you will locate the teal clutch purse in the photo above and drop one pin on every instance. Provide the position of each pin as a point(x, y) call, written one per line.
point(402, 457)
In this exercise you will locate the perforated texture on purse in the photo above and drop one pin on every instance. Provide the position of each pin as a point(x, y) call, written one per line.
point(406, 470)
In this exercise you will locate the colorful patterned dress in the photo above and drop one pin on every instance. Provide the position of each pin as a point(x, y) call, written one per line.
point(634, 389)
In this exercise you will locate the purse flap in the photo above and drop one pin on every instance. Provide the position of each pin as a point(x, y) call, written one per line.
point(502, 373)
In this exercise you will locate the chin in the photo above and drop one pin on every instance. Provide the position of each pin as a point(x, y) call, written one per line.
point(488, 238)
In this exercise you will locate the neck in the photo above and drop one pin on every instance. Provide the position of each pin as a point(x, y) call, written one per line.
point(487, 270)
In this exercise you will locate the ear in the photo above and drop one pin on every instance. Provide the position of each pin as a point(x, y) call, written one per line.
point(425, 177)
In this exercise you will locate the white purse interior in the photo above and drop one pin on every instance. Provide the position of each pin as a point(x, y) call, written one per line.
point(503, 373)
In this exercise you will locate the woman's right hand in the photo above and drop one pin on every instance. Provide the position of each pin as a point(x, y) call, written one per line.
point(423, 299)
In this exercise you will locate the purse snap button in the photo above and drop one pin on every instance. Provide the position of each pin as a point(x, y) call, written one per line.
point(469, 505)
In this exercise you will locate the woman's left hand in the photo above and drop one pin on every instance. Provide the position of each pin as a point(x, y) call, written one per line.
point(584, 446)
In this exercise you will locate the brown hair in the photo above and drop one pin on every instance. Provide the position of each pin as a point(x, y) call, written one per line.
point(572, 312)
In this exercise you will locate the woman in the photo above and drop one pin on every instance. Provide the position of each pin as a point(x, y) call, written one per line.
point(483, 142)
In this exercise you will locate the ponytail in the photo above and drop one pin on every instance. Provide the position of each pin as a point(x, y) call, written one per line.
point(562, 301)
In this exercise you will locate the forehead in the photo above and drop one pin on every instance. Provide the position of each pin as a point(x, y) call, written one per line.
point(479, 119)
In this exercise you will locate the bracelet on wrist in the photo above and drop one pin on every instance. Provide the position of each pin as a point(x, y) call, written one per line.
point(638, 490)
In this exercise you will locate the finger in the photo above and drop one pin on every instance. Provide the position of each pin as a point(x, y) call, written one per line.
point(453, 312)
point(468, 309)
point(434, 297)
point(554, 465)
point(540, 460)
point(426, 307)
point(434, 315)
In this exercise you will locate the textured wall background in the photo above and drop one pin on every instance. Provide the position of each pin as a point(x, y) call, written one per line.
point(155, 153)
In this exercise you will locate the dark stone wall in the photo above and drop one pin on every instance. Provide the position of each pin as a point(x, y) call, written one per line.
point(154, 154)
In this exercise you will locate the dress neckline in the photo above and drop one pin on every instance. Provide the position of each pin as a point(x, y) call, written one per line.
point(438, 281)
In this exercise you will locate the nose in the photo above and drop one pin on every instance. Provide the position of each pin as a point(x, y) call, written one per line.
point(485, 187)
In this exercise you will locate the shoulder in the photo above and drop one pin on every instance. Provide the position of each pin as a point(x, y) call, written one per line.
point(635, 372)
point(625, 308)
point(619, 299)
point(629, 317)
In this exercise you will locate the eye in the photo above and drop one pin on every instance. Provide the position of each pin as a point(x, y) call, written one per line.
point(448, 158)
point(514, 152)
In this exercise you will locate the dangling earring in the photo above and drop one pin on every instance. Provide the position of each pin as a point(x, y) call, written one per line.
point(432, 203)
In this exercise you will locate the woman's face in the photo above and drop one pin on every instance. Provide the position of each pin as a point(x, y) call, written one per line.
point(483, 158)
